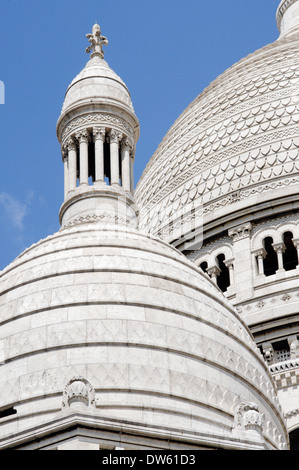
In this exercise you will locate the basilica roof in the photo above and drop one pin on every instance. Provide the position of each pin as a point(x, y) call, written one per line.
point(233, 146)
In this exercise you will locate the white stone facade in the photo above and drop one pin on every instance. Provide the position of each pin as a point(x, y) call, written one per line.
point(110, 337)
point(223, 188)
point(121, 326)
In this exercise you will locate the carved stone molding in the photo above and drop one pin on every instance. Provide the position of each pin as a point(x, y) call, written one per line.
point(94, 120)
point(105, 218)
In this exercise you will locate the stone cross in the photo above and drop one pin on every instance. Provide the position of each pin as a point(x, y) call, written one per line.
point(96, 42)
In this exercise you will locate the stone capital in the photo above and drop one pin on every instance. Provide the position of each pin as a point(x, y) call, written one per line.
point(240, 232)
point(71, 143)
point(126, 144)
point(279, 247)
point(261, 252)
point(213, 271)
point(115, 136)
point(229, 263)
point(83, 136)
point(99, 133)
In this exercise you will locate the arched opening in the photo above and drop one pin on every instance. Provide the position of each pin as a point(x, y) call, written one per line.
point(290, 256)
point(270, 261)
point(204, 266)
point(294, 439)
point(223, 280)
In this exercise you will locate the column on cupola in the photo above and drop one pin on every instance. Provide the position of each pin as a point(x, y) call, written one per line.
point(66, 171)
point(72, 164)
point(132, 158)
point(126, 164)
point(115, 138)
point(243, 266)
point(83, 139)
point(76, 150)
point(99, 135)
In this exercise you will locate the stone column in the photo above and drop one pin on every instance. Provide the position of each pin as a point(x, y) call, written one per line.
point(296, 245)
point(260, 255)
point(66, 172)
point(279, 248)
point(243, 261)
point(83, 138)
point(132, 156)
point(230, 265)
point(72, 161)
point(99, 140)
point(114, 156)
point(125, 165)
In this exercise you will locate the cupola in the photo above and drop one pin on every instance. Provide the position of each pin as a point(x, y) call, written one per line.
point(287, 16)
point(98, 131)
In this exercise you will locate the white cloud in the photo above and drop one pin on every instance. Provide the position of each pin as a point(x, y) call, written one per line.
point(13, 209)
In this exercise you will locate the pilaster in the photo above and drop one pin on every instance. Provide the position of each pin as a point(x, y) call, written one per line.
point(243, 261)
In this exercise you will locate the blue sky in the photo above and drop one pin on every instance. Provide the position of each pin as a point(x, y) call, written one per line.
point(166, 51)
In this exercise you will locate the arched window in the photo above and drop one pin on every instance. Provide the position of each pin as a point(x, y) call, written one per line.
point(223, 280)
point(204, 266)
point(270, 261)
point(290, 256)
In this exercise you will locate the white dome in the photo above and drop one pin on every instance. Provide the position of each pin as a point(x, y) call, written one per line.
point(97, 82)
point(234, 145)
point(142, 330)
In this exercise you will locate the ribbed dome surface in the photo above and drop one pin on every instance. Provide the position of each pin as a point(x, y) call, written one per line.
point(149, 331)
point(97, 82)
point(234, 144)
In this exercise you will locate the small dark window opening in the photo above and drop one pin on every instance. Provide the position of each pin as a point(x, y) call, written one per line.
point(91, 162)
point(281, 350)
point(119, 165)
point(294, 439)
point(7, 412)
point(78, 164)
point(223, 281)
point(107, 162)
point(204, 266)
point(290, 256)
point(270, 261)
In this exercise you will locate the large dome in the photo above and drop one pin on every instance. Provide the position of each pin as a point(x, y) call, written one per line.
point(233, 147)
point(109, 310)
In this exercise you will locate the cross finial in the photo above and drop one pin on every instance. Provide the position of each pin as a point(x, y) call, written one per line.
point(96, 42)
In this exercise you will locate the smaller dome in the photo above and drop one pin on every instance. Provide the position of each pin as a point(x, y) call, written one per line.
point(97, 82)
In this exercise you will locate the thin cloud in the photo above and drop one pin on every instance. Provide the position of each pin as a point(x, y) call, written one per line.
point(13, 210)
